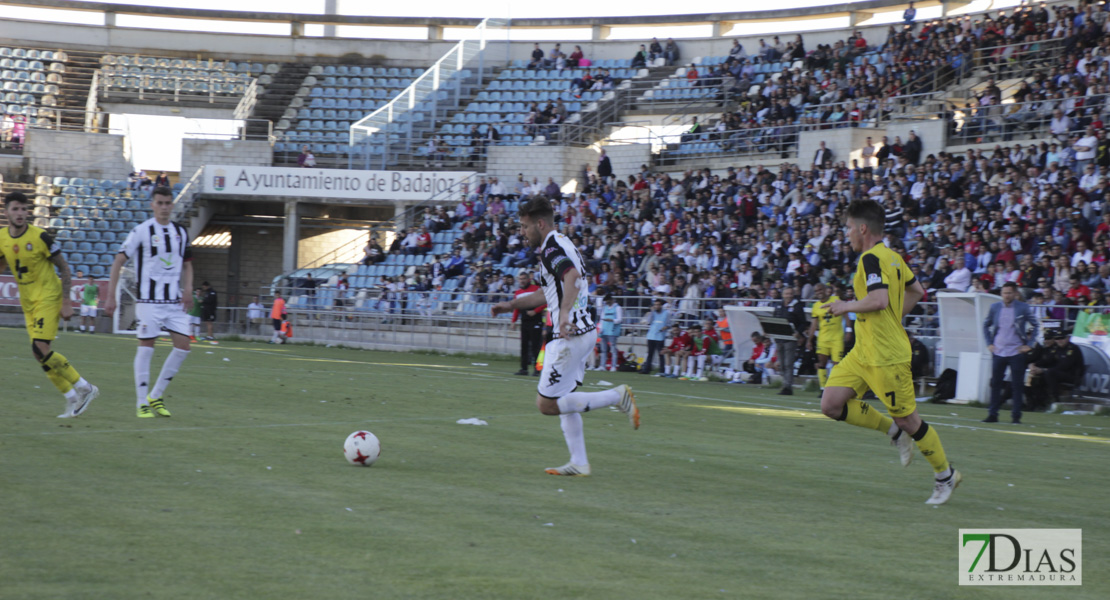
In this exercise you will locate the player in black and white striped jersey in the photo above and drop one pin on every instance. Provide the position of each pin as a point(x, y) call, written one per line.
point(163, 263)
point(564, 288)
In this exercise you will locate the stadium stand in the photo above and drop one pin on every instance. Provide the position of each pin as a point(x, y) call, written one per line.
point(89, 217)
point(29, 83)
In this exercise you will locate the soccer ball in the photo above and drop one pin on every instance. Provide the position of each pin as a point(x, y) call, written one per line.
point(362, 448)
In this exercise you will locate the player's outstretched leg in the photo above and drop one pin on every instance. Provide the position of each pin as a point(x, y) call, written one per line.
point(627, 405)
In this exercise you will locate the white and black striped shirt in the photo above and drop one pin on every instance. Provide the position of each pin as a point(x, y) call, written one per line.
point(160, 253)
point(557, 256)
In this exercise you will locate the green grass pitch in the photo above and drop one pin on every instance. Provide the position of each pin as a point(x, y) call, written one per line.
point(726, 491)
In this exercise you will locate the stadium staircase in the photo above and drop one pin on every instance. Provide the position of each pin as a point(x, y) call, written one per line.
point(279, 94)
point(75, 88)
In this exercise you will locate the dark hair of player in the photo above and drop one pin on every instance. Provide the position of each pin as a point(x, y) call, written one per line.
point(15, 197)
point(537, 208)
point(869, 213)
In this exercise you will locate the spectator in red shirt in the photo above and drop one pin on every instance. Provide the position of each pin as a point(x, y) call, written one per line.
point(1078, 291)
point(424, 241)
point(674, 355)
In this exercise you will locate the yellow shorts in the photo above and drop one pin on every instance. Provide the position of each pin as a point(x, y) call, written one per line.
point(42, 319)
point(892, 384)
point(834, 349)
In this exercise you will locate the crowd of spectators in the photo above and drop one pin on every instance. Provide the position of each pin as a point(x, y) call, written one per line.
point(852, 81)
point(970, 222)
point(967, 222)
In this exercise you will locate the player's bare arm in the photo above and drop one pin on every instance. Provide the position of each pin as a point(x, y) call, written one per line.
point(186, 285)
point(521, 302)
point(113, 282)
point(914, 294)
point(67, 283)
point(875, 300)
point(3, 265)
point(570, 282)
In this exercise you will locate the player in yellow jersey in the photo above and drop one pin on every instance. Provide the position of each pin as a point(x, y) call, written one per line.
point(829, 331)
point(880, 360)
point(32, 254)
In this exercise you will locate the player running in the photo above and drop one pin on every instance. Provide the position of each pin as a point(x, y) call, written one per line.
point(563, 283)
point(880, 359)
point(829, 331)
point(32, 254)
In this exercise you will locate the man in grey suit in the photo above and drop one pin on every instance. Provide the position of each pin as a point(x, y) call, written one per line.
point(1010, 330)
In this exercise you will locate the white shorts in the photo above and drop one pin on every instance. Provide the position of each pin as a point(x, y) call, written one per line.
point(154, 318)
point(564, 364)
point(194, 320)
point(88, 311)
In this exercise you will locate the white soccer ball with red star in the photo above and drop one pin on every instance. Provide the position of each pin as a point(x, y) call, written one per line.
point(362, 448)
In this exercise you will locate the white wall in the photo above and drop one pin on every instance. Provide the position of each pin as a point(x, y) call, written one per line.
point(76, 154)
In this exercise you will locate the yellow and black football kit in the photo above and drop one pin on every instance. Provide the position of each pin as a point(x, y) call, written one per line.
point(28, 256)
point(40, 291)
point(830, 331)
point(880, 358)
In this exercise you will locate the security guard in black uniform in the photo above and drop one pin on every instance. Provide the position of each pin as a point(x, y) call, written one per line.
point(1058, 363)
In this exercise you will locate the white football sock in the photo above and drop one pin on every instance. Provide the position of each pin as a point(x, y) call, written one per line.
point(71, 394)
point(576, 438)
point(893, 430)
point(169, 369)
point(701, 365)
point(275, 338)
point(81, 383)
point(576, 402)
point(142, 373)
point(82, 328)
point(92, 328)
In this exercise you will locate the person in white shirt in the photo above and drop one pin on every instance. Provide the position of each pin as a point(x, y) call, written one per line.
point(1085, 149)
point(1060, 125)
point(744, 277)
point(255, 314)
point(1082, 253)
point(960, 278)
point(1090, 178)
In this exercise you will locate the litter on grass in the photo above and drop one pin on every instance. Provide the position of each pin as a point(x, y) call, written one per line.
point(471, 421)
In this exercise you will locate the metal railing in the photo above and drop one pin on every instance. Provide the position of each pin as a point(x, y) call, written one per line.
point(246, 105)
point(183, 203)
point(398, 223)
point(172, 88)
point(1009, 61)
point(422, 97)
point(1011, 121)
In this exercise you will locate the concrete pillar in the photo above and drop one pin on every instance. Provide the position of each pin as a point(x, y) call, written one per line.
point(296, 29)
point(599, 32)
point(331, 7)
point(290, 235)
point(234, 265)
point(435, 32)
point(109, 19)
point(716, 29)
point(399, 215)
